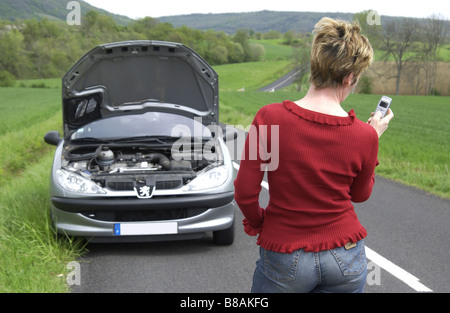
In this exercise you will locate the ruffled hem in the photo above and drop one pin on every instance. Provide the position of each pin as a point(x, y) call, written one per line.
point(310, 247)
point(318, 117)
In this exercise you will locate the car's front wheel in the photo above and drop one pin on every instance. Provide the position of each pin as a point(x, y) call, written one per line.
point(224, 237)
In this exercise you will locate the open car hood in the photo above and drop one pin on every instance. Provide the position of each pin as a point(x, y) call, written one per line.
point(133, 77)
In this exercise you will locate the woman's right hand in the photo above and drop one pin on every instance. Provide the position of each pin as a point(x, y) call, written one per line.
point(380, 124)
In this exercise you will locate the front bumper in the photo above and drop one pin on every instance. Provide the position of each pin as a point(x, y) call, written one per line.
point(99, 219)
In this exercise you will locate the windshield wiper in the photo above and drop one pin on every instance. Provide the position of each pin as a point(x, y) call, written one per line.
point(141, 139)
point(159, 139)
point(90, 139)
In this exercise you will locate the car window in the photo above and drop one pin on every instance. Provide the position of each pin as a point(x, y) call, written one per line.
point(148, 124)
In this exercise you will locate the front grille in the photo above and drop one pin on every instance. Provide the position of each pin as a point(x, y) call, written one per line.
point(145, 215)
point(160, 185)
point(122, 186)
point(168, 184)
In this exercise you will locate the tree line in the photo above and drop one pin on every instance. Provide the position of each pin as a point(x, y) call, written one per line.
point(413, 45)
point(47, 49)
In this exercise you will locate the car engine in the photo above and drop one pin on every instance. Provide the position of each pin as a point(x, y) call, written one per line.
point(123, 168)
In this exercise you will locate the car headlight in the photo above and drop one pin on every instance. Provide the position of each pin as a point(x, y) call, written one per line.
point(76, 183)
point(210, 179)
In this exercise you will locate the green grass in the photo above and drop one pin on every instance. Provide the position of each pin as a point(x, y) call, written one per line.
point(275, 51)
point(415, 149)
point(24, 107)
point(54, 83)
point(27, 114)
point(32, 257)
point(444, 53)
point(251, 76)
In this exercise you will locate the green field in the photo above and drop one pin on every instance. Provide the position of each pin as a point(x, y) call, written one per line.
point(32, 257)
point(415, 150)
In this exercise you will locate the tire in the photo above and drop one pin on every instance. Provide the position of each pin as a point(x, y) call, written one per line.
point(224, 237)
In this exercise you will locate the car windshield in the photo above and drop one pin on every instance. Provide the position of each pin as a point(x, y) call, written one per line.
point(151, 124)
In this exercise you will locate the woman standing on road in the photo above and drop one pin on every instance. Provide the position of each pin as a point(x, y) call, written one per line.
point(309, 235)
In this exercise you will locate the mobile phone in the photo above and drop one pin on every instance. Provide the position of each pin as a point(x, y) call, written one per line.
point(383, 105)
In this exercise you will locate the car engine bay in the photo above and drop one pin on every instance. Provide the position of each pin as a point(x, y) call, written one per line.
point(122, 168)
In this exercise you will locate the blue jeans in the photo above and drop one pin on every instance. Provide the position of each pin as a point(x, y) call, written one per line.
point(337, 270)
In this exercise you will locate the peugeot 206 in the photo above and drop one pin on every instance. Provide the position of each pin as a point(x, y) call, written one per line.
point(142, 156)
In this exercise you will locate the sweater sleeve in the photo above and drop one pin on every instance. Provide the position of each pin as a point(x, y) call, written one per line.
point(361, 188)
point(248, 180)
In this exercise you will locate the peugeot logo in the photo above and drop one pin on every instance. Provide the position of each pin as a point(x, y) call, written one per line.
point(144, 192)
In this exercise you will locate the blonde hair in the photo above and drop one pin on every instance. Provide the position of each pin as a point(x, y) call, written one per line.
point(338, 50)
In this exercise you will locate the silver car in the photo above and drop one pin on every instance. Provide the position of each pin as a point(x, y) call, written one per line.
point(143, 156)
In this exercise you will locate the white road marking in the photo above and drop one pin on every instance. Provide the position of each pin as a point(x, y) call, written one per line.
point(396, 271)
point(381, 261)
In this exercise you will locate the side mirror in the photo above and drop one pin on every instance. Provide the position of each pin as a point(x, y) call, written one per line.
point(230, 133)
point(52, 138)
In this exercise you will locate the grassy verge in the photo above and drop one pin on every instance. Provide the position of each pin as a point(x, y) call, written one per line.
point(32, 257)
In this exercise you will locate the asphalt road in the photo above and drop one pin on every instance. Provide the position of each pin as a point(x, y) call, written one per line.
point(286, 80)
point(407, 246)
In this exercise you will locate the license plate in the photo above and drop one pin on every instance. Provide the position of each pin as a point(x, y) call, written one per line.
point(135, 229)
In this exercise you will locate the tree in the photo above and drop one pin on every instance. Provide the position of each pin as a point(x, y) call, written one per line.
point(47, 48)
point(256, 52)
point(435, 33)
point(242, 37)
point(288, 37)
point(144, 24)
point(98, 26)
point(7, 79)
point(236, 53)
point(301, 59)
point(373, 31)
point(12, 55)
point(400, 39)
point(273, 34)
point(34, 29)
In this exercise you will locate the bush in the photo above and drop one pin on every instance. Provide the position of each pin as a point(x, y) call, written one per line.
point(365, 85)
point(7, 79)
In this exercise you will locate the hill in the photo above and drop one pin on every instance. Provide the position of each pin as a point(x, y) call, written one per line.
point(262, 21)
point(51, 9)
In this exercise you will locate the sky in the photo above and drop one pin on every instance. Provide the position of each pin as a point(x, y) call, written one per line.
point(157, 8)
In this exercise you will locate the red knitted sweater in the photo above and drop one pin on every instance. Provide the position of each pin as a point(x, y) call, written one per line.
point(325, 163)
